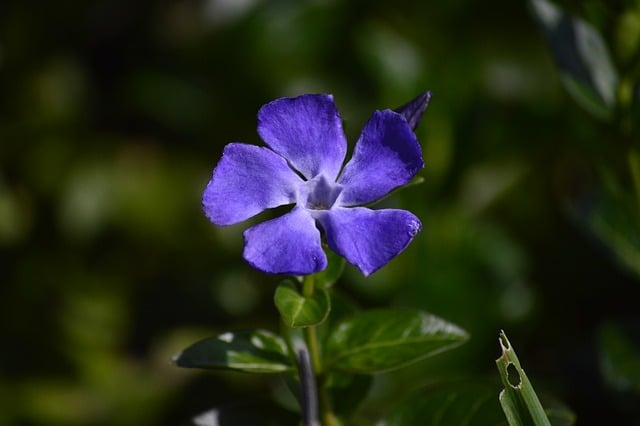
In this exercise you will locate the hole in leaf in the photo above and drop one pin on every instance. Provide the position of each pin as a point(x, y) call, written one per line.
point(513, 376)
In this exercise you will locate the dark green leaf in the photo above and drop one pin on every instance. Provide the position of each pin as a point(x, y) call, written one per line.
point(620, 360)
point(256, 351)
point(449, 404)
point(557, 412)
point(348, 391)
point(613, 216)
point(380, 340)
point(245, 413)
point(342, 307)
point(463, 403)
point(582, 56)
point(300, 311)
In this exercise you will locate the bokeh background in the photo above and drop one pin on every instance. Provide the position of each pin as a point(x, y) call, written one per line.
point(113, 114)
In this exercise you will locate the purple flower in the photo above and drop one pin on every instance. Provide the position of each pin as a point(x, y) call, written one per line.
point(302, 165)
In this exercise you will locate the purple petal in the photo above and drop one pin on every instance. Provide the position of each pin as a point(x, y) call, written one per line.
point(289, 244)
point(413, 111)
point(386, 156)
point(369, 239)
point(307, 131)
point(247, 180)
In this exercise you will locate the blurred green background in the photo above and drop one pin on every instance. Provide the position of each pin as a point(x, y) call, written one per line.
point(114, 113)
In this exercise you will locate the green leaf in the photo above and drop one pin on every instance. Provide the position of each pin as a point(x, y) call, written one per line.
point(381, 340)
point(620, 359)
point(300, 311)
point(256, 351)
point(613, 215)
point(558, 413)
point(617, 229)
point(348, 391)
point(342, 307)
point(461, 403)
point(519, 401)
point(327, 278)
point(581, 54)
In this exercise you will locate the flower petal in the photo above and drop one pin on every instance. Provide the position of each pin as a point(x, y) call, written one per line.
point(369, 239)
point(247, 180)
point(413, 111)
point(307, 131)
point(289, 244)
point(386, 156)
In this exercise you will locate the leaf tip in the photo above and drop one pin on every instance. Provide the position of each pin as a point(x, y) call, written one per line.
point(175, 360)
point(505, 345)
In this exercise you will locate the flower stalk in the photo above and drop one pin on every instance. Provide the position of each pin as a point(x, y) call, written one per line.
point(311, 336)
point(309, 388)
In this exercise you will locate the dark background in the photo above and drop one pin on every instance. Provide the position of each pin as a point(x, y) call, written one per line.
point(114, 113)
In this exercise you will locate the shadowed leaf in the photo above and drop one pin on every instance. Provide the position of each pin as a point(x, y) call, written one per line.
point(582, 56)
point(244, 413)
point(620, 359)
point(449, 404)
point(256, 351)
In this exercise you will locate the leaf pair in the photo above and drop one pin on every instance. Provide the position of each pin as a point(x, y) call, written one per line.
point(365, 343)
point(299, 310)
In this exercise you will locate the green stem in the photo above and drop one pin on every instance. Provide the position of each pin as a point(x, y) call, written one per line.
point(311, 336)
point(308, 287)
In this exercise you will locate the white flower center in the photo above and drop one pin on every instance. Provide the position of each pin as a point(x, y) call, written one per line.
point(318, 193)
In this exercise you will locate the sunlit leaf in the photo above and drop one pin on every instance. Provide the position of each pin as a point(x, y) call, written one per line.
point(382, 340)
point(585, 64)
point(298, 310)
point(256, 351)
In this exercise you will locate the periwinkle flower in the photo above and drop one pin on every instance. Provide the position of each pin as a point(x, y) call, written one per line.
point(302, 165)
